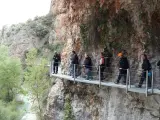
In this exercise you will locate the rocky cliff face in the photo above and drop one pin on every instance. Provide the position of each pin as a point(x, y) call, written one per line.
point(112, 24)
point(37, 33)
point(88, 102)
point(92, 25)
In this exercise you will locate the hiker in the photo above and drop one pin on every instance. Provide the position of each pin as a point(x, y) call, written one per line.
point(56, 60)
point(102, 66)
point(74, 61)
point(123, 66)
point(88, 66)
point(146, 66)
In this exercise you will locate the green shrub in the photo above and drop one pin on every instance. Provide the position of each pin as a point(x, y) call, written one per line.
point(41, 26)
point(39, 29)
point(9, 111)
point(68, 109)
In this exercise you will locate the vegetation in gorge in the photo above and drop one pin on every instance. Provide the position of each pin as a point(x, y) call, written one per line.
point(10, 80)
point(36, 79)
point(68, 109)
point(9, 111)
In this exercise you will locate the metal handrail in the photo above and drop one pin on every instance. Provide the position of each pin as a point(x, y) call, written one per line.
point(128, 78)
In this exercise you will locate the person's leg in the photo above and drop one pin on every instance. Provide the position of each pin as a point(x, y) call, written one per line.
point(119, 76)
point(87, 73)
point(76, 70)
point(102, 71)
point(72, 70)
point(54, 68)
point(90, 74)
point(143, 76)
point(124, 76)
point(149, 81)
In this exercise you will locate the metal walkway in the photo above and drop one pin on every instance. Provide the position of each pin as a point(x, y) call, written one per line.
point(96, 81)
point(132, 88)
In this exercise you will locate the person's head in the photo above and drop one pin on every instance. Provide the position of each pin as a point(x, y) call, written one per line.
point(55, 52)
point(120, 55)
point(102, 54)
point(73, 52)
point(86, 55)
point(144, 56)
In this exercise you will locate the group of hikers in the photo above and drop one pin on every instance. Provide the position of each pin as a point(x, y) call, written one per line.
point(104, 62)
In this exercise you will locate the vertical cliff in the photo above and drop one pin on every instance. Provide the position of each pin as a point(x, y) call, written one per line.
point(92, 25)
point(111, 24)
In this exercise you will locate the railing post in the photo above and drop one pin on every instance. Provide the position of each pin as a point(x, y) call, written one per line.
point(152, 81)
point(74, 73)
point(127, 80)
point(146, 83)
point(50, 69)
point(99, 76)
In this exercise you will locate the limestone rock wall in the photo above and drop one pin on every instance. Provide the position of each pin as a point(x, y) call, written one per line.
point(89, 102)
point(141, 16)
point(117, 24)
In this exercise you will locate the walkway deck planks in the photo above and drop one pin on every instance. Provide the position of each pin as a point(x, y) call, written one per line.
point(108, 84)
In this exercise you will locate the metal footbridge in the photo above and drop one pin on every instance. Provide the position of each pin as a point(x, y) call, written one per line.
point(129, 86)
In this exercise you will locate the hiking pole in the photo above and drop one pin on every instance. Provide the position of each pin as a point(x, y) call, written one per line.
point(99, 76)
point(146, 83)
point(50, 69)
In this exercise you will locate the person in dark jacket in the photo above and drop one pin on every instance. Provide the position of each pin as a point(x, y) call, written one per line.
point(74, 62)
point(56, 60)
point(146, 66)
point(123, 66)
point(88, 66)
